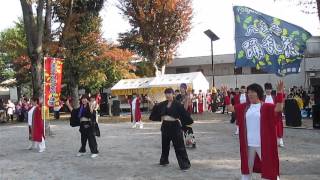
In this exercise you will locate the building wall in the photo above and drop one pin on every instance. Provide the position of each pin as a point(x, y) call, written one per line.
point(205, 69)
point(234, 81)
point(224, 75)
point(224, 69)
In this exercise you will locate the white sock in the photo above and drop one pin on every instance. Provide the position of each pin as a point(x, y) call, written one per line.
point(246, 177)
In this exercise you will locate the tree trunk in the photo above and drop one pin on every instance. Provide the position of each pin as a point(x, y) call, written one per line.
point(19, 92)
point(36, 71)
point(47, 24)
point(74, 82)
point(163, 69)
point(74, 92)
point(159, 72)
point(34, 35)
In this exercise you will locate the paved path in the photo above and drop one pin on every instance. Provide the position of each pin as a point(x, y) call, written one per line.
point(127, 153)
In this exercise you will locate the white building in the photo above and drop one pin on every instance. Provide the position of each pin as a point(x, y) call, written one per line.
point(8, 92)
point(225, 73)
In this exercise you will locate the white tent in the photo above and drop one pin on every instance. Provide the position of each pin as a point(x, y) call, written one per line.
point(130, 86)
point(156, 85)
point(195, 81)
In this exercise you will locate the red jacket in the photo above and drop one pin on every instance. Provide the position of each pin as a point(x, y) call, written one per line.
point(279, 124)
point(236, 100)
point(268, 165)
point(37, 130)
point(138, 111)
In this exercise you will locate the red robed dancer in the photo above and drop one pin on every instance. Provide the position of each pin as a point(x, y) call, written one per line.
point(279, 126)
point(200, 102)
point(240, 99)
point(257, 133)
point(36, 126)
point(135, 110)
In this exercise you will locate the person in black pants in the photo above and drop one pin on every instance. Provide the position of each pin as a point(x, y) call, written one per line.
point(86, 117)
point(184, 98)
point(173, 117)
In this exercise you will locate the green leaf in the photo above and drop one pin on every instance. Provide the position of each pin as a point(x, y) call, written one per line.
point(245, 26)
point(290, 60)
point(267, 56)
point(255, 22)
point(261, 63)
point(284, 32)
point(295, 33)
point(276, 21)
point(238, 19)
point(304, 37)
point(258, 67)
point(240, 54)
point(248, 20)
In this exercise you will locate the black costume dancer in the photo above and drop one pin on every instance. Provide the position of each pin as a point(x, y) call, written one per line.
point(173, 117)
point(85, 116)
point(184, 99)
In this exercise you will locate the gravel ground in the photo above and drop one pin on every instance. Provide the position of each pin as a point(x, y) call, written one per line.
point(127, 153)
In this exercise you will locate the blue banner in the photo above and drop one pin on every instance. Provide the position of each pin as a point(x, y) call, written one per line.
point(268, 43)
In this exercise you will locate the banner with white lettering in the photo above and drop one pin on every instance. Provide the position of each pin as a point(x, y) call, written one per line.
point(268, 43)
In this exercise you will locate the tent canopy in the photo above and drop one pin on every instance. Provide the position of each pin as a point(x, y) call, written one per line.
point(194, 80)
point(175, 79)
point(130, 86)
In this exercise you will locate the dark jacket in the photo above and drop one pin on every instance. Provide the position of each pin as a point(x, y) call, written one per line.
point(176, 111)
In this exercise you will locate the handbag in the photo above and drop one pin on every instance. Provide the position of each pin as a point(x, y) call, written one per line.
point(74, 119)
point(96, 129)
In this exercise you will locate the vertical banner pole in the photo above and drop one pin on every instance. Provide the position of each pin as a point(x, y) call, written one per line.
point(44, 96)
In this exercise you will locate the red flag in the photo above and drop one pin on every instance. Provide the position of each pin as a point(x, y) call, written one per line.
point(53, 76)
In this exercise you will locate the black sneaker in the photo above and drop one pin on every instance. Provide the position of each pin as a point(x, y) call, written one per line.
point(185, 169)
point(164, 163)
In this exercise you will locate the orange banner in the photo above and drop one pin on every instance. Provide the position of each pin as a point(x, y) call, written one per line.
point(53, 76)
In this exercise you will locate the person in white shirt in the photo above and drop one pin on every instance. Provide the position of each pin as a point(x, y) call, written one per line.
point(36, 127)
point(257, 135)
point(10, 109)
point(279, 127)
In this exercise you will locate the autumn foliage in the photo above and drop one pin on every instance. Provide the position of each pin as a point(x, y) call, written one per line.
point(158, 27)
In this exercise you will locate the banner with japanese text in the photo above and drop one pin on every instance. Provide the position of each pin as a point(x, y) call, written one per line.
point(268, 43)
point(53, 76)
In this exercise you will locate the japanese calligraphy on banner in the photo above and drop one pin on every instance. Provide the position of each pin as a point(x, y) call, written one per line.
point(53, 76)
point(268, 43)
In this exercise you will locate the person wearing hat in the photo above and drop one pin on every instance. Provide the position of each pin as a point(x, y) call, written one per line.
point(185, 100)
point(174, 117)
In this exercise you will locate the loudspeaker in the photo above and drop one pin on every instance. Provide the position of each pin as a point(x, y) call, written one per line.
point(104, 97)
point(104, 109)
point(116, 108)
point(292, 113)
point(316, 116)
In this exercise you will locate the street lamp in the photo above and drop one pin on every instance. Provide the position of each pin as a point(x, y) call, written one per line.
point(213, 37)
